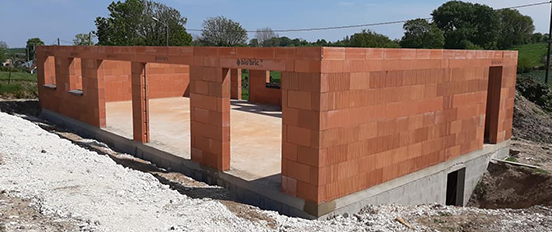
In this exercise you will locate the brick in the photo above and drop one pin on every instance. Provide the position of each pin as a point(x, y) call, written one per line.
point(299, 136)
point(333, 53)
point(299, 100)
point(298, 171)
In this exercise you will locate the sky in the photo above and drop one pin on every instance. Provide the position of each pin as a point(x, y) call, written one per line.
point(63, 19)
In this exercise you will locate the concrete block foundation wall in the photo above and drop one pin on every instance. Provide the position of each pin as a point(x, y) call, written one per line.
point(352, 118)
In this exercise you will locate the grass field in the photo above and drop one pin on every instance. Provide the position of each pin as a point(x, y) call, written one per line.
point(532, 52)
point(19, 76)
point(21, 85)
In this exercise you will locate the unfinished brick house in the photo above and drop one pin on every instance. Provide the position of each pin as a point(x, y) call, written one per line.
point(348, 126)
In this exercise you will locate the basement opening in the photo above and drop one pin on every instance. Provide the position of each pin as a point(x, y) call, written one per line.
point(455, 187)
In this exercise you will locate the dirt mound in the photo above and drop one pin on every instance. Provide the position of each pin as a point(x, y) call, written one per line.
point(531, 122)
point(20, 106)
point(506, 186)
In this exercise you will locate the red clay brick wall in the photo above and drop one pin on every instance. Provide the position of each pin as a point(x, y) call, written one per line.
point(236, 84)
point(210, 116)
point(164, 80)
point(385, 113)
point(259, 93)
point(88, 108)
point(352, 118)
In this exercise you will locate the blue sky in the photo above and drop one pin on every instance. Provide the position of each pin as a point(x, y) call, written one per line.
point(50, 19)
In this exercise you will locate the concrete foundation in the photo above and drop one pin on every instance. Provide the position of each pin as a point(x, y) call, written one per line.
point(425, 186)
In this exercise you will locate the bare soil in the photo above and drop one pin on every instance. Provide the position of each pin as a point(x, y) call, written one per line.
point(531, 122)
point(507, 186)
point(19, 215)
point(533, 153)
point(464, 222)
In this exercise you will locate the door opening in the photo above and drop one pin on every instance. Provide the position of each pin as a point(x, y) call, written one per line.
point(455, 187)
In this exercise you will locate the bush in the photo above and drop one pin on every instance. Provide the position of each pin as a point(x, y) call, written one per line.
point(7, 69)
point(524, 65)
point(536, 92)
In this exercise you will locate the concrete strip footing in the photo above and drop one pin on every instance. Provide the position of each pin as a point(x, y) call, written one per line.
point(424, 186)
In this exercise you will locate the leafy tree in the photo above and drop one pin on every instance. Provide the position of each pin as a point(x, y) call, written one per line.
point(83, 39)
point(132, 23)
point(3, 51)
point(221, 31)
point(272, 42)
point(515, 28)
point(371, 39)
point(537, 38)
point(266, 34)
point(254, 43)
point(31, 47)
point(467, 24)
point(419, 33)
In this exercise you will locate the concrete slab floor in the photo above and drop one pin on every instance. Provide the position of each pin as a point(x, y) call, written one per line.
point(255, 133)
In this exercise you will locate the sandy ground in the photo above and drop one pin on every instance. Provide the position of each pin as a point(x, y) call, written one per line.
point(63, 182)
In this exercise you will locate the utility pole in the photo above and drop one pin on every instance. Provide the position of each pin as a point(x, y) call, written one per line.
point(549, 42)
point(166, 28)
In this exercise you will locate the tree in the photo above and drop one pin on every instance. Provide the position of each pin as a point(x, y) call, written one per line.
point(419, 33)
point(253, 43)
point(3, 51)
point(83, 39)
point(272, 42)
point(467, 25)
point(515, 28)
point(131, 23)
point(221, 31)
point(265, 34)
point(370, 39)
point(31, 47)
point(537, 38)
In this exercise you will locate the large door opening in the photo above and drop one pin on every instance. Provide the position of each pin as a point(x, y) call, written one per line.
point(455, 187)
point(493, 105)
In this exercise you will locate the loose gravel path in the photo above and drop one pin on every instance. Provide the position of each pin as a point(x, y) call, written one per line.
point(88, 191)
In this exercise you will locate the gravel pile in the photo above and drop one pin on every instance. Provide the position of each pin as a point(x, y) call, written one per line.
point(66, 181)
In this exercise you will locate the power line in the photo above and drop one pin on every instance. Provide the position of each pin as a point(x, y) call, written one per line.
point(359, 25)
point(373, 24)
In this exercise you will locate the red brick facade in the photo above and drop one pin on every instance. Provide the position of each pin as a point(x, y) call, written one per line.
point(259, 93)
point(352, 118)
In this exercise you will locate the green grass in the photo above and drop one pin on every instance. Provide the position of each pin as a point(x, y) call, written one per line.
point(537, 75)
point(245, 88)
point(21, 85)
point(532, 52)
point(18, 89)
point(276, 76)
point(542, 171)
point(512, 159)
point(18, 76)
